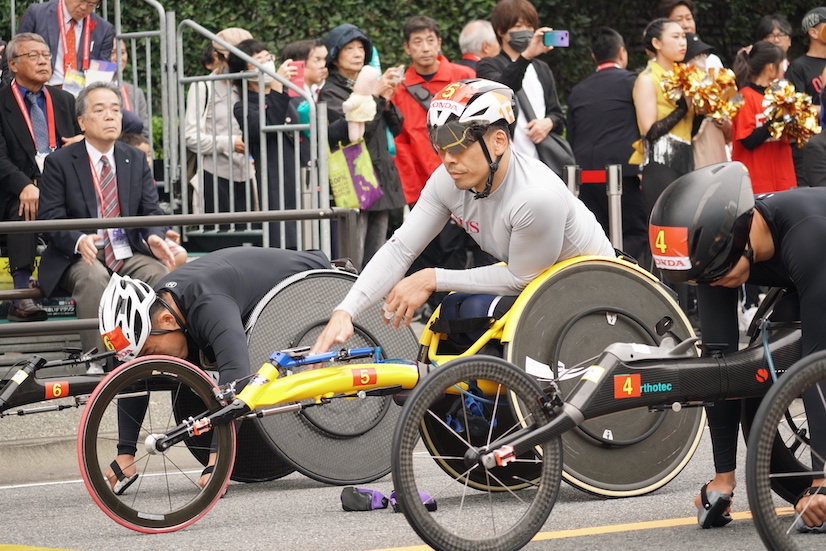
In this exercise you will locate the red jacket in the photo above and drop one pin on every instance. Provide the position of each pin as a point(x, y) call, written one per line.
point(415, 157)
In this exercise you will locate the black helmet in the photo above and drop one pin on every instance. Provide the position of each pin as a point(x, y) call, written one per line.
point(699, 226)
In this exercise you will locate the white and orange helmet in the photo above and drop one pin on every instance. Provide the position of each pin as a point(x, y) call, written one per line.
point(462, 111)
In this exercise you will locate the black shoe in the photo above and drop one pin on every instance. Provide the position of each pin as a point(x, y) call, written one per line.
point(26, 310)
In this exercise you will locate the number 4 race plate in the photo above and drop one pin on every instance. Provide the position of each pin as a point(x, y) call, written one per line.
point(669, 247)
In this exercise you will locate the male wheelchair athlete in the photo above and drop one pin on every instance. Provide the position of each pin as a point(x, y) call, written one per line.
point(666, 378)
point(348, 439)
point(327, 444)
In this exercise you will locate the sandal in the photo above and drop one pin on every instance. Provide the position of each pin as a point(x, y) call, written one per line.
point(712, 513)
point(122, 481)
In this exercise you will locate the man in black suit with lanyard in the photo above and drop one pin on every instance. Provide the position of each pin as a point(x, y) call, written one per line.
point(35, 120)
point(99, 177)
point(602, 126)
point(70, 26)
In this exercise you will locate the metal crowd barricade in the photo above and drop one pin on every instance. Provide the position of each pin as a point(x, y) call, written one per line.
point(612, 177)
point(346, 218)
point(305, 179)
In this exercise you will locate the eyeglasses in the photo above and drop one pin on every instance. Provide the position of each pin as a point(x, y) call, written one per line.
point(454, 136)
point(92, 5)
point(776, 36)
point(35, 55)
point(181, 325)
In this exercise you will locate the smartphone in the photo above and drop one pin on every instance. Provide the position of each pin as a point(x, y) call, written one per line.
point(557, 39)
point(400, 72)
point(298, 79)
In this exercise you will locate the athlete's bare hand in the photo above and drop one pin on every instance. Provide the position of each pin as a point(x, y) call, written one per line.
point(407, 296)
point(735, 277)
point(337, 331)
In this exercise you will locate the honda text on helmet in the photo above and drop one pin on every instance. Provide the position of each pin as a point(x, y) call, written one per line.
point(700, 224)
point(462, 112)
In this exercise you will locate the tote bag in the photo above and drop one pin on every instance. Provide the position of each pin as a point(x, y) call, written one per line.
point(353, 180)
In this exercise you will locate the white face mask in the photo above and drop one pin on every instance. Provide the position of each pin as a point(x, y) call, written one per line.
point(268, 78)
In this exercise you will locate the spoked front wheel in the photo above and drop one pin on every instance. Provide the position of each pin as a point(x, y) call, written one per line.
point(166, 495)
point(782, 415)
point(498, 517)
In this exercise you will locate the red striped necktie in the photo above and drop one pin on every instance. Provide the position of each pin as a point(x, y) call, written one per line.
point(110, 209)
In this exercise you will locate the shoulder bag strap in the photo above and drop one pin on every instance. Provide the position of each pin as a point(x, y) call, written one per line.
point(420, 94)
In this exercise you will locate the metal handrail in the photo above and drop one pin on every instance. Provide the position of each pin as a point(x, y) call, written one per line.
point(56, 327)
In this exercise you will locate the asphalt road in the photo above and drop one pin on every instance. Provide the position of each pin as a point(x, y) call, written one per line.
point(296, 512)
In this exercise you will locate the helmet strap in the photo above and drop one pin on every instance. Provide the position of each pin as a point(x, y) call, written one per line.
point(494, 166)
point(180, 322)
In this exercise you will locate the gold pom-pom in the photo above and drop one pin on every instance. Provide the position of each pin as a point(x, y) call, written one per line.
point(791, 114)
point(712, 94)
point(681, 81)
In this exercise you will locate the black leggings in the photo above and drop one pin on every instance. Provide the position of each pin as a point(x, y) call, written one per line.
point(717, 308)
point(718, 323)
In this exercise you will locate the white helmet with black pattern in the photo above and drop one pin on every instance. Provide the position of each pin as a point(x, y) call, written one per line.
point(123, 315)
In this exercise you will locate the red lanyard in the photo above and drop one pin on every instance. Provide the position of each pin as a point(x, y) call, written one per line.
point(127, 104)
point(607, 65)
point(87, 33)
point(49, 115)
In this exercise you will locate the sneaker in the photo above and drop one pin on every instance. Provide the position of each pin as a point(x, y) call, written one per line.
point(95, 368)
point(26, 310)
point(803, 528)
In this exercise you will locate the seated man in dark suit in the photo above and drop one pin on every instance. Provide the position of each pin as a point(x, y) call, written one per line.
point(99, 177)
point(34, 120)
point(72, 22)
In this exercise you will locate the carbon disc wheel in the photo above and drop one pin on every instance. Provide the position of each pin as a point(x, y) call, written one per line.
point(344, 441)
point(567, 319)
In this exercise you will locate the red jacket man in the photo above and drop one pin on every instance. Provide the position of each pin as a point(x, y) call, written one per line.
point(415, 157)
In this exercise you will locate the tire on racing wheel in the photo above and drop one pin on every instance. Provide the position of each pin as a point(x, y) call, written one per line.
point(783, 402)
point(466, 519)
point(166, 495)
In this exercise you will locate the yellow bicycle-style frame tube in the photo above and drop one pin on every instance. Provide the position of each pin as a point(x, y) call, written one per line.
point(267, 389)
